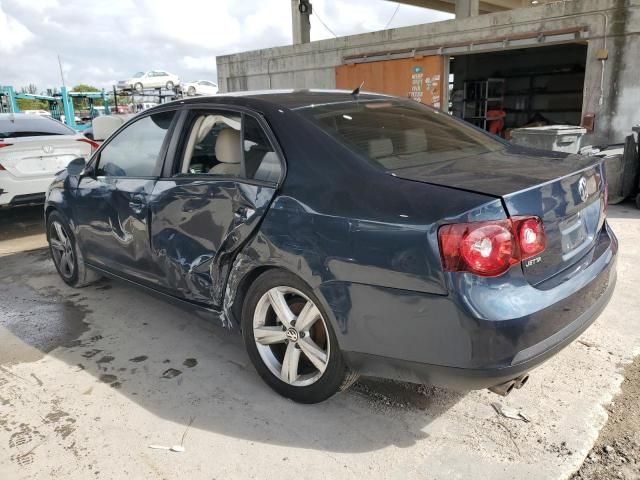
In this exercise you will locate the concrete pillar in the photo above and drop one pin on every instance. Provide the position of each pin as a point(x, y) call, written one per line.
point(467, 8)
point(300, 22)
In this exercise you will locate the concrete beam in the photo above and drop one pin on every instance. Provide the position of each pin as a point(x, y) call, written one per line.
point(301, 26)
point(485, 6)
point(467, 8)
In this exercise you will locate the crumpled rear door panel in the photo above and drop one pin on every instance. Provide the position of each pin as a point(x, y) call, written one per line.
point(197, 227)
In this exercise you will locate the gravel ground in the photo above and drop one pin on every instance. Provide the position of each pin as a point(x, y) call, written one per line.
point(616, 454)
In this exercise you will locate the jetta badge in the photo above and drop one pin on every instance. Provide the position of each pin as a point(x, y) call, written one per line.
point(582, 189)
point(47, 148)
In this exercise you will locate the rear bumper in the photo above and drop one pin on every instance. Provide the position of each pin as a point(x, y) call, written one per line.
point(18, 191)
point(464, 379)
point(486, 332)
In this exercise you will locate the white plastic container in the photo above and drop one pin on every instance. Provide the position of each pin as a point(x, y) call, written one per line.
point(558, 138)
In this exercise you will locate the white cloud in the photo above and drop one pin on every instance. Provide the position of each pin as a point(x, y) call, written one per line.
point(39, 6)
point(13, 34)
point(101, 42)
point(203, 64)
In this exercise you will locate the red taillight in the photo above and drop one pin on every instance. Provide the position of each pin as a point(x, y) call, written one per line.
point(530, 236)
point(94, 145)
point(489, 248)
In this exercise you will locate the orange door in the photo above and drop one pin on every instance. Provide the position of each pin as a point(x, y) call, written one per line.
point(419, 78)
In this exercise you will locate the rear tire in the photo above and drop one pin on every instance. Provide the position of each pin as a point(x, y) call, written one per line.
point(138, 87)
point(191, 91)
point(66, 255)
point(170, 85)
point(295, 351)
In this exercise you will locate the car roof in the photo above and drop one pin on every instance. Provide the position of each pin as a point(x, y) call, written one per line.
point(292, 99)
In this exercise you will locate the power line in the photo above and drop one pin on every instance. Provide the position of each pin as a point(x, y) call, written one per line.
point(392, 17)
point(324, 25)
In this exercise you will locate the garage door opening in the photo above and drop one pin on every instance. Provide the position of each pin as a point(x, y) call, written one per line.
point(500, 91)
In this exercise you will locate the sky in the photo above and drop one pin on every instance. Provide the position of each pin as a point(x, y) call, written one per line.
point(101, 42)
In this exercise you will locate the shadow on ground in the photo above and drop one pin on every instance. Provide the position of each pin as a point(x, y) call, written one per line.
point(21, 222)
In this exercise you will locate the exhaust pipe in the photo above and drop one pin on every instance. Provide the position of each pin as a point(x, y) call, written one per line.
point(505, 388)
point(521, 380)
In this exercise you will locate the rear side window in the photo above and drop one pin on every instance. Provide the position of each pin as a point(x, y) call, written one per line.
point(213, 144)
point(136, 150)
point(31, 126)
point(400, 134)
point(228, 144)
point(261, 160)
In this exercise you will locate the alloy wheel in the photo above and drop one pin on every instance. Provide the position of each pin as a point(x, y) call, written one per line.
point(291, 336)
point(62, 250)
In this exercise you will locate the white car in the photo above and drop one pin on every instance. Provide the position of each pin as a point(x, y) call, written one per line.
point(42, 113)
point(150, 79)
point(32, 150)
point(199, 87)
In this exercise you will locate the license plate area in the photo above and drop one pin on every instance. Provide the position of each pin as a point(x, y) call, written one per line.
point(42, 165)
point(574, 235)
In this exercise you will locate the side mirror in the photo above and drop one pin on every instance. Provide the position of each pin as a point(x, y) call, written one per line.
point(76, 166)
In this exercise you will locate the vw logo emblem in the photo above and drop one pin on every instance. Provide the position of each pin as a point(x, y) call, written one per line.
point(292, 334)
point(47, 148)
point(582, 189)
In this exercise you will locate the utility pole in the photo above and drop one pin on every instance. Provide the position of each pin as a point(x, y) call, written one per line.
point(300, 12)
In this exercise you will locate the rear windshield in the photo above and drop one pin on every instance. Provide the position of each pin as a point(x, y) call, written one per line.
point(31, 126)
point(398, 134)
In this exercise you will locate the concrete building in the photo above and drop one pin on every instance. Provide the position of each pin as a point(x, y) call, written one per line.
point(574, 62)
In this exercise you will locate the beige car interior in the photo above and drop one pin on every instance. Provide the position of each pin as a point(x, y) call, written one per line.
point(228, 151)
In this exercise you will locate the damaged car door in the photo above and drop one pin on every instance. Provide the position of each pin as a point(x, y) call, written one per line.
point(211, 198)
point(112, 198)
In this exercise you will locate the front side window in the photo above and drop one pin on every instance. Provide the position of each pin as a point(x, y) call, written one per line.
point(214, 146)
point(136, 150)
point(398, 134)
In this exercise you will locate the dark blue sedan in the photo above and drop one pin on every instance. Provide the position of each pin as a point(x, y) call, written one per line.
point(345, 234)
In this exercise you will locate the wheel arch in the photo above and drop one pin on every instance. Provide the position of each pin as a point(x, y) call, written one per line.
point(241, 287)
point(48, 210)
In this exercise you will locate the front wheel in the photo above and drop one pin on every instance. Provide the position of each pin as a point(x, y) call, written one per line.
point(170, 85)
point(191, 91)
point(65, 253)
point(290, 341)
point(138, 87)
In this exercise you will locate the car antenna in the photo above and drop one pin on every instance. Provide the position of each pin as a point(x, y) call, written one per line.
point(356, 92)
